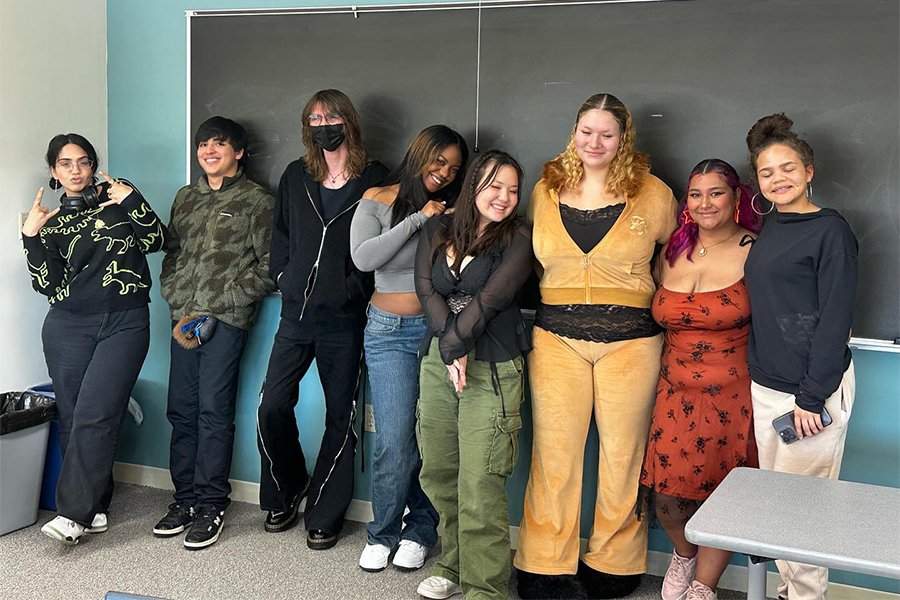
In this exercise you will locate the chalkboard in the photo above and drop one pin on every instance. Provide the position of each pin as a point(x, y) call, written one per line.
point(695, 75)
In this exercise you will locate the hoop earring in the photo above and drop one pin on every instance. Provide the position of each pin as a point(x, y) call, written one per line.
point(687, 215)
point(809, 191)
point(756, 210)
point(54, 183)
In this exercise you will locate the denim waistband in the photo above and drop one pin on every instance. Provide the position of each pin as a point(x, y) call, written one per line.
point(382, 316)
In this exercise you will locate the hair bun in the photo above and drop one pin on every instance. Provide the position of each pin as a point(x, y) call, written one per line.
point(769, 129)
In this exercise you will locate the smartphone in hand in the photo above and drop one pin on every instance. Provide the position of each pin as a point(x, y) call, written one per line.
point(784, 426)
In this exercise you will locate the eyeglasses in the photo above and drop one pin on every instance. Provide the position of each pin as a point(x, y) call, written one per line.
point(329, 119)
point(66, 164)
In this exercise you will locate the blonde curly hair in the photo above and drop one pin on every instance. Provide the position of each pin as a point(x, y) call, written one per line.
point(628, 169)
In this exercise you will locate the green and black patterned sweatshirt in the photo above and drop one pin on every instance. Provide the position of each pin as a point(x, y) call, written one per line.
point(92, 261)
point(217, 251)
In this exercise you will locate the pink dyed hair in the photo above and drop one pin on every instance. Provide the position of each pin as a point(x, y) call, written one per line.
point(685, 237)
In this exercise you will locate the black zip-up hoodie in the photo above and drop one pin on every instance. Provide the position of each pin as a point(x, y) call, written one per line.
point(801, 274)
point(318, 280)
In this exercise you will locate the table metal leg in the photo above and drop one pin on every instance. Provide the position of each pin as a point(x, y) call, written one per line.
point(756, 580)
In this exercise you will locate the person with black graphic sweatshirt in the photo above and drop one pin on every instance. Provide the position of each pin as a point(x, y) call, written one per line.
point(88, 258)
point(801, 274)
point(323, 313)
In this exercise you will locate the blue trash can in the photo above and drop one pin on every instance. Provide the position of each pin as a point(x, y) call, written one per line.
point(53, 463)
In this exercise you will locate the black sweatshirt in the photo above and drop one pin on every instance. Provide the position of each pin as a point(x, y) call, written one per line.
point(319, 281)
point(92, 261)
point(801, 274)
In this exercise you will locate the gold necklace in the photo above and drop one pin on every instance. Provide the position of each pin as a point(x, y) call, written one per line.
point(703, 249)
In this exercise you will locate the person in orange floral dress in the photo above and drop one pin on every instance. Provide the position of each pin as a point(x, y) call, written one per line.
point(702, 424)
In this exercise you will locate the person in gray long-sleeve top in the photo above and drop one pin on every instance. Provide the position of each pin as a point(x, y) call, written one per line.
point(383, 238)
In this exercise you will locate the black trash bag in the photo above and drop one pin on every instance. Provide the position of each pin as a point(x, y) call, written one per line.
point(20, 410)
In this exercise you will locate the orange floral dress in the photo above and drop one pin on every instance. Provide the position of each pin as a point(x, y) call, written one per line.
point(702, 423)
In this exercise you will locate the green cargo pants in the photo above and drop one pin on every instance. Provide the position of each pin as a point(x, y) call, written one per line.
point(469, 445)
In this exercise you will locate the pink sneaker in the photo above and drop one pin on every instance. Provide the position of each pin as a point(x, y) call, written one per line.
point(701, 591)
point(679, 576)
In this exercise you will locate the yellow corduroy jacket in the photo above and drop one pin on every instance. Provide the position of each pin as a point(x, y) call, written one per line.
point(616, 270)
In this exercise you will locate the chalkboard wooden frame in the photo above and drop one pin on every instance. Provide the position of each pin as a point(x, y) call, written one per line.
point(844, 102)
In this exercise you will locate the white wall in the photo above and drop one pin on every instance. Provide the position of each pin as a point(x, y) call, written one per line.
point(52, 80)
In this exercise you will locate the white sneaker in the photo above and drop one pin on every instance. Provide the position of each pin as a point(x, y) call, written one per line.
point(374, 558)
point(438, 588)
point(63, 530)
point(410, 556)
point(98, 525)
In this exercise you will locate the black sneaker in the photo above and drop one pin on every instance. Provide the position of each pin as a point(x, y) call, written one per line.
point(180, 515)
point(207, 526)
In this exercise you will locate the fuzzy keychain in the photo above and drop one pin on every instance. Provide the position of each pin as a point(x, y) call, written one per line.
point(194, 330)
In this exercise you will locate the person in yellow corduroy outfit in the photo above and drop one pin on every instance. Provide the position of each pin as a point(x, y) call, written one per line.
point(598, 216)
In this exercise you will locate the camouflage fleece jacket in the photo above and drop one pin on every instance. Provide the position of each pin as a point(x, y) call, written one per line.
point(217, 251)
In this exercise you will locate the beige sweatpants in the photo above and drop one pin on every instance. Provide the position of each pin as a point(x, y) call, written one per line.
point(818, 456)
point(570, 381)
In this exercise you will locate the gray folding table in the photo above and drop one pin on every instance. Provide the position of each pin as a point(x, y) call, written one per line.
point(840, 524)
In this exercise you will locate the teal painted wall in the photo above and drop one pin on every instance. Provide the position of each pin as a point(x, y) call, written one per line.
point(147, 121)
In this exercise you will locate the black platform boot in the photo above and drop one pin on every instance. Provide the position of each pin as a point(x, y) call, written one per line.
point(532, 586)
point(600, 586)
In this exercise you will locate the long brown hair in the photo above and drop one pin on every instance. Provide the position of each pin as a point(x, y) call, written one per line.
point(460, 233)
point(628, 169)
point(422, 152)
point(334, 101)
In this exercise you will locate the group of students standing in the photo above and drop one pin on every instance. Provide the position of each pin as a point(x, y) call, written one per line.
point(644, 323)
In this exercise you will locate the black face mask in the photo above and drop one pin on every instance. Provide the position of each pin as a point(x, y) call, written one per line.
point(328, 137)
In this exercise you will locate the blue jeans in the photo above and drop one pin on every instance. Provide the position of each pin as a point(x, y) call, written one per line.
point(391, 344)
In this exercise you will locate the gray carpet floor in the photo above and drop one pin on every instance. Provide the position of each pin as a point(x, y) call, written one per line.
point(245, 564)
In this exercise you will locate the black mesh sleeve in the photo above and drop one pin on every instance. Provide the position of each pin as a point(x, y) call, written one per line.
point(462, 330)
point(437, 312)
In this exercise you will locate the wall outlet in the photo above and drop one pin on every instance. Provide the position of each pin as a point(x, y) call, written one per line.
point(23, 216)
point(370, 418)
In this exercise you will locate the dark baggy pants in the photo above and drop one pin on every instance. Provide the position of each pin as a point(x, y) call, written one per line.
point(93, 361)
point(337, 348)
point(203, 385)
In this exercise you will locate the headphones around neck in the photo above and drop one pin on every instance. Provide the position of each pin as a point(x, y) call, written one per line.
point(89, 199)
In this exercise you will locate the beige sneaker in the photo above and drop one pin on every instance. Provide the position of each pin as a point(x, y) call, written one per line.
point(678, 577)
point(701, 591)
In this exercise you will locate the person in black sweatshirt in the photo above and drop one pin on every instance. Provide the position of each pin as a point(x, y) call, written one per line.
point(87, 257)
point(801, 274)
point(323, 313)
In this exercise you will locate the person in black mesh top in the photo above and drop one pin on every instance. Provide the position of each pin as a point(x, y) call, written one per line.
point(469, 268)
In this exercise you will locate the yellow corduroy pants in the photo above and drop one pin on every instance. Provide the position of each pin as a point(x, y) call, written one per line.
point(818, 456)
point(569, 380)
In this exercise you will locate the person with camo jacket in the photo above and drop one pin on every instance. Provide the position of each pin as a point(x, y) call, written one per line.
point(214, 274)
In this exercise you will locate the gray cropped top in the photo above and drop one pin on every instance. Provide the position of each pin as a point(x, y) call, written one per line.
point(390, 252)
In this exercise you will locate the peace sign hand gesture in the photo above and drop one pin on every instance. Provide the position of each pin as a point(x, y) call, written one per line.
point(37, 216)
point(117, 191)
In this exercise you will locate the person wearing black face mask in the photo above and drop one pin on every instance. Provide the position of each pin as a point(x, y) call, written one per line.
point(323, 313)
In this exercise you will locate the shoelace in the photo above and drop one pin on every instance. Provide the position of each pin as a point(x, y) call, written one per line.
point(681, 572)
point(701, 591)
point(207, 518)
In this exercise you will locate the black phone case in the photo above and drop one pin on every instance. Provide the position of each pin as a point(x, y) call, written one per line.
point(784, 426)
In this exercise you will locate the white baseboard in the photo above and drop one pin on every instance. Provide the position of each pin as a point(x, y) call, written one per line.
point(241, 491)
point(734, 578)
